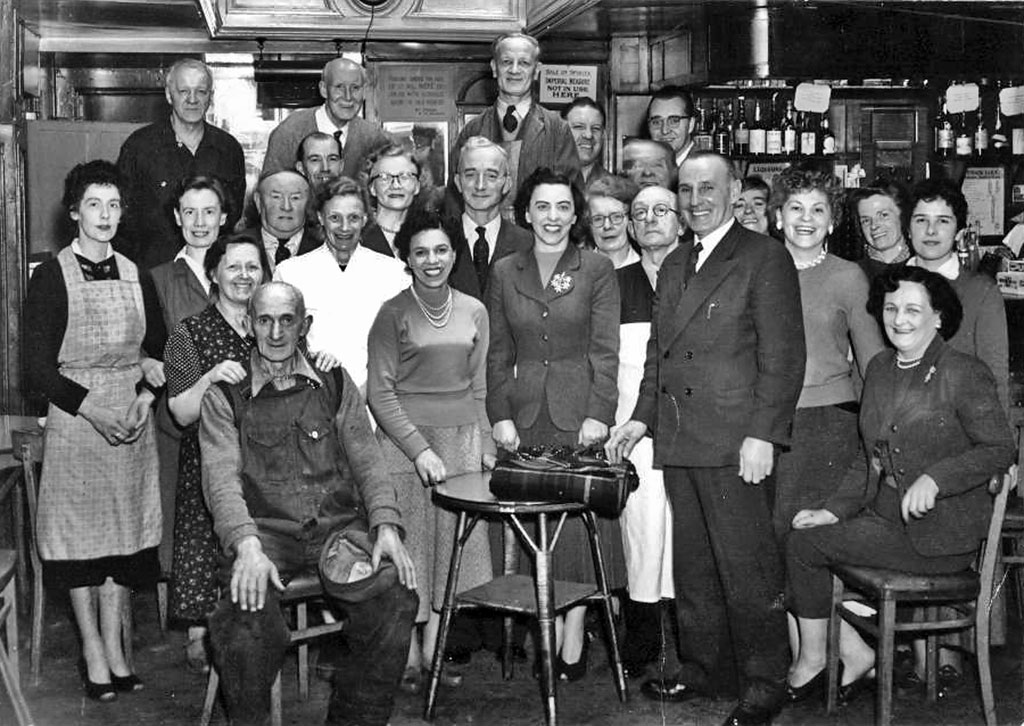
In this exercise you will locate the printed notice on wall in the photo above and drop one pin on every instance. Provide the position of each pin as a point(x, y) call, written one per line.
point(984, 188)
point(416, 93)
point(561, 84)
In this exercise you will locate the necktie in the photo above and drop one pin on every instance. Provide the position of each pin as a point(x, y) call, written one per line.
point(481, 255)
point(691, 262)
point(282, 253)
point(510, 122)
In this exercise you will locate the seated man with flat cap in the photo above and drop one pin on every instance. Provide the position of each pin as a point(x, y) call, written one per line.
point(296, 485)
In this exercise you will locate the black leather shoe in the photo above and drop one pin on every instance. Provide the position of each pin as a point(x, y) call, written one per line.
point(669, 690)
point(747, 714)
point(814, 687)
point(855, 689)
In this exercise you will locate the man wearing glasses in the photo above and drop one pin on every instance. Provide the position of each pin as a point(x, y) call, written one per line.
point(670, 120)
point(655, 225)
point(724, 369)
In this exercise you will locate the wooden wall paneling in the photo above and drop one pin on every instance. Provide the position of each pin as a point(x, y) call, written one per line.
point(13, 269)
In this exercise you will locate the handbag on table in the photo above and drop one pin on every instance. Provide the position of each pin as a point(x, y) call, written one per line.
point(564, 474)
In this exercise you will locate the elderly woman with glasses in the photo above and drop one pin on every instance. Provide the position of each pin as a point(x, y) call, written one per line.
point(393, 181)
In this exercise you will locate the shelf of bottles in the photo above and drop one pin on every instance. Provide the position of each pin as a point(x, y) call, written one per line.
point(985, 135)
point(763, 129)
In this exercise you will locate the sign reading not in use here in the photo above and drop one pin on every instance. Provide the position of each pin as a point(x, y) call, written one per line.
point(561, 84)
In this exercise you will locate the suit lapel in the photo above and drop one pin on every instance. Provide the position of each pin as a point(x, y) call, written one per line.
point(527, 279)
point(715, 269)
point(533, 125)
point(503, 245)
point(564, 278)
point(191, 280)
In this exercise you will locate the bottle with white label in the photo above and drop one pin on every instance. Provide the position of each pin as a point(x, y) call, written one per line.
point(964, 143)
point(1017, 145)
point(828, 139)
point(789, 136)
point(808, 135)
point(944, 134)
point(773, 136)
point(740, 130)
point(758, 133)
point(981, 136)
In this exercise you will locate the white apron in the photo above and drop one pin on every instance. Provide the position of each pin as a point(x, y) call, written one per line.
point(98, 500)
point(646, 521)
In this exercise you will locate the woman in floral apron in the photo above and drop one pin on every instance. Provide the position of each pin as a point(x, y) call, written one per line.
point(93, 342)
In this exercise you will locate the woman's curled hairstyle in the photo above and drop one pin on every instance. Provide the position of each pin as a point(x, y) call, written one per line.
point(425, 214)
point(941, 294)
point(99, 172)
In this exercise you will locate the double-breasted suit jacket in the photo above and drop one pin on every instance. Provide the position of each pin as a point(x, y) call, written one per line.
point(726, 354)
point(511, 239)
point(946, 422)
point(555, 346)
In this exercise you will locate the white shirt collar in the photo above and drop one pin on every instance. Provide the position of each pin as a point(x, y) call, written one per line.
point(522, 108)
point(325, 125)
point(684, 152)
point(711, 241)
point(491, 230)
point(77, 249)
point(196, 267)
point(950, 269)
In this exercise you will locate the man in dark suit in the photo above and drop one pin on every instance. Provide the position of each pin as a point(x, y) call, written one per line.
point(532, 135)
point(480, 235)
point(282, 200)
point(342, 85)
point(725, 364)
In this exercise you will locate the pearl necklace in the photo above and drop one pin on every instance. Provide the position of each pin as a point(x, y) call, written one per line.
point(906, 365)
point(438, 316)
point(811, 263)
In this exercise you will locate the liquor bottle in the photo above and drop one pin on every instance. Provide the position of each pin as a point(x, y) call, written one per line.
point(1000, 143)
point(740, 131)
point(723, 131)
point(964, 143)
point(808, 135)
point(981, 138)
point(828, 139)
point(702, 139)
point(789, 137)
point(758, 132)
point(944, 134)
point(773, 136)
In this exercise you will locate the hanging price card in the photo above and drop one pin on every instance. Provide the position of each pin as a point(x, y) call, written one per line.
point(1011, 101)
point(962, 97)
point(813, 97)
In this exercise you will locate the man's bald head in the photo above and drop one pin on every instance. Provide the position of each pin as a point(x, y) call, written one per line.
point(343, 83)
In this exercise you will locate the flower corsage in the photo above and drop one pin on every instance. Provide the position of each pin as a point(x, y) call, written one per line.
point(561, 282)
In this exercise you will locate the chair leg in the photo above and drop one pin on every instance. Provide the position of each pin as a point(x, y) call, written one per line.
point(302, 621)
point(38, 604)
point(21, 713)
point(128, 632)
point(606, 603)
point(161, 604)
point(212, 684)
point(8, 657)
point(275, 701)
point(886, 653)
point(835, 621)
point(11, 624)
point(982, 636)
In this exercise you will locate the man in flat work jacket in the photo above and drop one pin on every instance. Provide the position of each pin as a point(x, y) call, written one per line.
point(725, 364)
point(532, 135)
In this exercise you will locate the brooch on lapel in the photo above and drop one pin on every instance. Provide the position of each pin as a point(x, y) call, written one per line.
point(561, 283)
point(928, 376)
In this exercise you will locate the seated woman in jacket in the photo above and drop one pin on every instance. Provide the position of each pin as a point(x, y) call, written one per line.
point(933, 431)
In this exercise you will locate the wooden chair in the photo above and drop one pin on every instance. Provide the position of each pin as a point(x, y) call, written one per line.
point(9, 671)
point(28, 449)
point(967, 594)
point(298, 595)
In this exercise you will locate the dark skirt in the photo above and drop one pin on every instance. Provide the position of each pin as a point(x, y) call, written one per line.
point(572, 558)
point(137, 571)
point(825, 441)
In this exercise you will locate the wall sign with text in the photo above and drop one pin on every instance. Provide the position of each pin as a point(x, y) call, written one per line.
point(561, 84)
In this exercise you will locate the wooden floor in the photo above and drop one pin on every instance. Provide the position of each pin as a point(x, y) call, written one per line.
point(174, 696)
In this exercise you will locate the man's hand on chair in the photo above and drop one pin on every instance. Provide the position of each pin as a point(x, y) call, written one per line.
point(250, 573)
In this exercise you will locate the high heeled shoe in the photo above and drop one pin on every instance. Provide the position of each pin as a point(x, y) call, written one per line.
point(814, 687)
point(127, 684)
point(102, 692)
point(853, 690)
point(574, 671)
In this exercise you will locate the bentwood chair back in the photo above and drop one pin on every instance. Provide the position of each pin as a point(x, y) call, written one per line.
point(948, 603)
point(9, 651)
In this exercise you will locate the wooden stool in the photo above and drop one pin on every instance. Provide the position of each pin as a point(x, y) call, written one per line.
point(299, 593)
point(9, 653)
